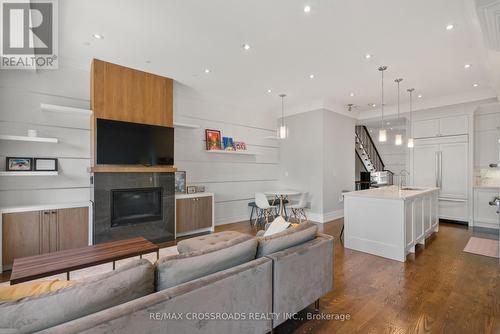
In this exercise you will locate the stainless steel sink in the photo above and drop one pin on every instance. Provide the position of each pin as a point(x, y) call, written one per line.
point(410, 188)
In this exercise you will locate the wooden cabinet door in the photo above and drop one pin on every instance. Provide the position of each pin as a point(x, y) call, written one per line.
point(185, 215)
point(73, 228)
point(21, 235)
point(48, 231)
point(193, 214)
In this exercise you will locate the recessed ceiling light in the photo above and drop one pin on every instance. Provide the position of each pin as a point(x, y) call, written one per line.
point(450, 27)
point(207, 70)
point(246, 47)
point(98, 36)
point(311, 76)
point(307, 9)
point(368, 56)
point(467, 66)
point(419, 96)
point(475, 85)
point(351, 95)
point(269, 91)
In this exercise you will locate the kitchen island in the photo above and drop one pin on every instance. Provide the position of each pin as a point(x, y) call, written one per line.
point(389, 221)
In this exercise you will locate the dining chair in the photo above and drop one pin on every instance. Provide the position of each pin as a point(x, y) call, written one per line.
point(298, 210)
point(264, 209)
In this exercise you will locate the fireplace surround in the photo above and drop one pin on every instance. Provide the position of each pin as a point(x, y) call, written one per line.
point(127, 205)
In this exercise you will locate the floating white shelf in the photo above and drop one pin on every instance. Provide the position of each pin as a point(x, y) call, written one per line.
point(27, 138)
point(231, 152)
point(62, 109)
point(33, 173)
point(186, 125)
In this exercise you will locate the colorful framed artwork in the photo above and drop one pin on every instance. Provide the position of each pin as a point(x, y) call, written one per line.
point(213, 139)
point(45, 164)
point(180, 182)
point(16, 164)
point(240, 146)
point(228, 143)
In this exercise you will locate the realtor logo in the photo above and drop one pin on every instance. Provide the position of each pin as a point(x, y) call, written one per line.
point(29, 34)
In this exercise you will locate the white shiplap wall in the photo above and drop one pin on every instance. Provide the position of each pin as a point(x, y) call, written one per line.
point(233, 179)
point(20, 111)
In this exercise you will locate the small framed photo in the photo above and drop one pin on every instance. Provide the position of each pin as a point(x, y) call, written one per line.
point(45, 164)
point(16, 164)
point(191, 189)
point(228, 143)
point(213, 140)
point(180, 182)
point(240, 146)
point(200, 189)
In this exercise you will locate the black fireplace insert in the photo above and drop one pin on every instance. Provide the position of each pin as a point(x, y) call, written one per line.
point(137, 205)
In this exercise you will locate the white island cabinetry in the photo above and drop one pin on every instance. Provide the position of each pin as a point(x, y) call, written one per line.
point(389, 222)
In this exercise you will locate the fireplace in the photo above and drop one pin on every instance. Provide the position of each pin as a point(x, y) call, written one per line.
point(128, 205)
point(133, 206)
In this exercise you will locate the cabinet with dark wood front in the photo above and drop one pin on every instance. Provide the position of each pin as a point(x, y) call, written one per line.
point(194, 213)
point(38, 232)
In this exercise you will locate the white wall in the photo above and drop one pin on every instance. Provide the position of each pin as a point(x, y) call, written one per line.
point(318, 157)
point(234, 179)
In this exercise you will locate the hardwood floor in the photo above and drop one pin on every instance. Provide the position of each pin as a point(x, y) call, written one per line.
point(439, 290)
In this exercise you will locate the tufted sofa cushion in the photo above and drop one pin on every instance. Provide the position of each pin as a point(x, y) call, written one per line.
point(215, 240)
point(292, 236)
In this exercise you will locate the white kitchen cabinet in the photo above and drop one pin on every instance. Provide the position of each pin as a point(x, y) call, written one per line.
point(486, 148)
point(425, 165)
point(453, 178)
point(438, 127)
point(484, 214)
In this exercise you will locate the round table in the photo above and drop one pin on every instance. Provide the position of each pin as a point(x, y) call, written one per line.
point(282, 195)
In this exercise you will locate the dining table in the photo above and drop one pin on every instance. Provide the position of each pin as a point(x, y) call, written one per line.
point(282, 195)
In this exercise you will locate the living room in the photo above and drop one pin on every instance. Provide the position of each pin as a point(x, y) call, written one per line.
point(255, 167)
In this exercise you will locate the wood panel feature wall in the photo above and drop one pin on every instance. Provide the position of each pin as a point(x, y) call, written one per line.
point(124, 94)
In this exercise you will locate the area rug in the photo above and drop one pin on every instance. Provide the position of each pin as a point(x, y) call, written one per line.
point(481, 246)
point(103, 268)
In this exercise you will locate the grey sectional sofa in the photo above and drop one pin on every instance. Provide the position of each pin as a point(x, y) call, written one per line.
point(220, 283)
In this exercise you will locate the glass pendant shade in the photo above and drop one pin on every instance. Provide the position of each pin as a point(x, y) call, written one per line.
point(382, 135)
point(398, 140)
point(282, 132)
point(410, 142)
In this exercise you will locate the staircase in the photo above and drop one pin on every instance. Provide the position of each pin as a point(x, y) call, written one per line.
point(366, 150)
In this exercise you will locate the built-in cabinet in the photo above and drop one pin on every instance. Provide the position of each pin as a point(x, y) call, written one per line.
point(486, 139)
point(439, 127)
point(444, 163)
point(37, 232)
point(194, 213)
point(484, 214)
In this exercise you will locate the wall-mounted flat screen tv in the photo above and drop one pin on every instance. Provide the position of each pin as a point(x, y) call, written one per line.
point(125, 143)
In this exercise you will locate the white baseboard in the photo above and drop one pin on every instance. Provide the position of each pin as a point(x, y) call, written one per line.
point(325, 217)
point(487, 225)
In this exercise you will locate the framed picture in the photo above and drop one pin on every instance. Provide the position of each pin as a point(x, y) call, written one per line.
point(16, 164)
point(45, 164)
point(200, 189)
point(213, 140)
point(191, 189)
point(240, 146)
point(228, 143)
point(180, 182)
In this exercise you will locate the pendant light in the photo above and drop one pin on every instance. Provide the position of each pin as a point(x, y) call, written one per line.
point(382, 133)
point(282, 131)
point(398, 139)
point(410, 138)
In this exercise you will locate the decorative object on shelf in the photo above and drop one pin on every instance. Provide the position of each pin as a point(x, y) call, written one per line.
point(180, 182)
point(410, 135)
point(45, 164)
point(240, 146)
point(382, 133)
point(191, 189)
point(32, 133)
point(213, 139)
point(200, 189)
point(398, 139)
point(282, 131)
point(16, 164)
point(228, 143)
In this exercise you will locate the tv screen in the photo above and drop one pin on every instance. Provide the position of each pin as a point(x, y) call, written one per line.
point(125, 143)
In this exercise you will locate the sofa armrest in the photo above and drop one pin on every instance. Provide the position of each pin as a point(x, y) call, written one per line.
point(301, 275)
point(245, 289)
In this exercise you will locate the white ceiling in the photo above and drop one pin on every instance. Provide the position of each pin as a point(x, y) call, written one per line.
point(180, 38)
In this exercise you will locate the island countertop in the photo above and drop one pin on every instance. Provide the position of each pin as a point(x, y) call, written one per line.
point(391, 192)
